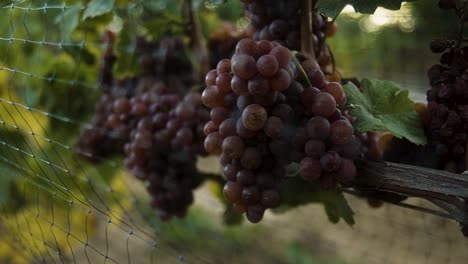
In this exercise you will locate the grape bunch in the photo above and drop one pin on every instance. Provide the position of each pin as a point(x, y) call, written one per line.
point(163, 148)
point(325, 141)
point(106, 133)
point(149, 120)
point(249, 123)
point(262, 119)
point(280, 21)
point(448, 103)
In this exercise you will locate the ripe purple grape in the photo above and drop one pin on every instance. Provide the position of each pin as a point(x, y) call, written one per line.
point(254, 117)
point(244, 66)
point(324, 105)
point(310, 169)
point(341, 132)
point(233, 147)
point(330, 161)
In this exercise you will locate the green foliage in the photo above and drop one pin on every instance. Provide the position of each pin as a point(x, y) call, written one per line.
point(98, 7)
point(332, 8)
point(296, 192)
point(384, 106)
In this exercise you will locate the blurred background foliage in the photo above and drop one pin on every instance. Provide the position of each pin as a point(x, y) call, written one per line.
point(50, 54)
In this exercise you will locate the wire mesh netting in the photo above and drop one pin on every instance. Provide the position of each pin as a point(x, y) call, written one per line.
point(57, 207)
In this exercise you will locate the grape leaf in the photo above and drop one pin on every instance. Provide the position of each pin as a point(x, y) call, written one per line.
point(332, 8)
point(98, 7)
point(68, 21)
point(384, 106)
point(296, 192)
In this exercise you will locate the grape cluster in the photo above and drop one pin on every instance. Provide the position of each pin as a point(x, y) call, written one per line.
point(262, 119)
point(148, 119)
point(249, 123)
point(448, 103)
point(107, 134)
point(326, 141)
point(280, 21)
point(163, 148)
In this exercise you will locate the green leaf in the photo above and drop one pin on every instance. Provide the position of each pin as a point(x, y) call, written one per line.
point(332, 8)
point(69, 20)
point(384, 106)
point(296, 192)
point(98, 7)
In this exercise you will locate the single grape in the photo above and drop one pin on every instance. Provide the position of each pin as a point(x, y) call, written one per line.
point(210, 78)
point(254, 117)
point(264, 47)
point(255, 213)
point(232, 191)
point(310, 169)
point(323, 105)
point(213, 143)
point(270, 198)
point(121, 106)
point(233, 146)
point(341, 132)
point(228, 127)
point(212, 97)
point(239, 86)
point(336, 90)
point(259, 86)
point(224, 66)
point(280, 81)
point(316, 78)
point(210, 127)
point(244, 66)
point(250, 195)
point(246, 46)
point(223, 81)
point(218, 114)
point(267, 65)
point(282, 55)
point(330, 161)
point(230, 172)
point(318, 128)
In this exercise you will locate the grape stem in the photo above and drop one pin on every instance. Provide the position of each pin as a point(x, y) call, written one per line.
point(307, 43)
point(298, 65)
point(196, 38)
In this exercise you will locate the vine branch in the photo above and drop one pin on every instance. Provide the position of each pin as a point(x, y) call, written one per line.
point(196, 38)
point(446, 190)
point(307, 43)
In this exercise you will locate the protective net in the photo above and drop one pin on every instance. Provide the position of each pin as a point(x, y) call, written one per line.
point(58, 207)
